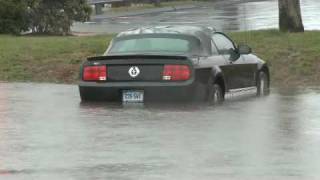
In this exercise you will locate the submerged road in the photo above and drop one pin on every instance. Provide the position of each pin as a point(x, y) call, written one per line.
point(46, 133)
point(227, 15)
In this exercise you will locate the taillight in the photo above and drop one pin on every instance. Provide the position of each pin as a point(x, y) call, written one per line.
point(95, 73)
point(176, 73)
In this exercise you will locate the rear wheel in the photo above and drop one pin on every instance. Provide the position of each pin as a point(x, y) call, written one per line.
point(215, 94)
point(263, 84)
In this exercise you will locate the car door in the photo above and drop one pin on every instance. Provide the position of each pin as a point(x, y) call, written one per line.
point(238, 73)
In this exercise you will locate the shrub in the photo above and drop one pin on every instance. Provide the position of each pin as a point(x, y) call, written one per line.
point(57, 16)
point(13, 16)
point(42, 16)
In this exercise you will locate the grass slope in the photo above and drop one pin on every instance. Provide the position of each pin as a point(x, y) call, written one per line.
point(46, 59)
point(294, 58)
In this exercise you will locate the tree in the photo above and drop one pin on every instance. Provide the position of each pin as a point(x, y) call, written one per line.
point(57, 16)
point(290, 16)
point(13, 16)
point(157, 3)
point(42, 16)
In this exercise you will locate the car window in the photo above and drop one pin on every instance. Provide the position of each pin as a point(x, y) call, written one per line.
point(214, 50)
point(223, 43)
point(150, 44)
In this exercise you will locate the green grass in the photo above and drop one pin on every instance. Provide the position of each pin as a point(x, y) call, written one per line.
point(46, 59)
point(294, 58)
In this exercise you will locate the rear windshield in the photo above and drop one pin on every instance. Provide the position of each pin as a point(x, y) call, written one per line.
point(163, 45)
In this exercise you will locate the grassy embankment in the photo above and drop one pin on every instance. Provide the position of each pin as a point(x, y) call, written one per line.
point(294, 58)
point(46, 59)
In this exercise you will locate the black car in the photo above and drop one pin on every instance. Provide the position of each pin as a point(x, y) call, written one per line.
point(172, 63)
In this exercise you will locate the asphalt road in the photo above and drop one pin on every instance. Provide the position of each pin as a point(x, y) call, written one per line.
point(46, 133)
point(228, 15)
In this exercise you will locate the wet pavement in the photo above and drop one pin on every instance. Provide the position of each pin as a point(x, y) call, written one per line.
point(231, 15)
point(46, 133)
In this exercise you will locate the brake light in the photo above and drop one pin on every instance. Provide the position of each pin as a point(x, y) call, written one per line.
point(176, 73)
point(95, 73)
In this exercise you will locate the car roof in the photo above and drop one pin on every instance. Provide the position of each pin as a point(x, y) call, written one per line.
point(200, 32)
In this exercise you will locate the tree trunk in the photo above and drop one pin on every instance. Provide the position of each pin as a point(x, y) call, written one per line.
point(290, 16)
point(157, 3)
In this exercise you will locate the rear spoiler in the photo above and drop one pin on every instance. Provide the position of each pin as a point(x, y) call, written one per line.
point(100, 58)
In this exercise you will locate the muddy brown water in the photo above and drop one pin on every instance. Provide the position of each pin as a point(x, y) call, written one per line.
point(46, 133)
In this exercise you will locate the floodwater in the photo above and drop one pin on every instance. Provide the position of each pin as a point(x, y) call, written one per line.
point(46, 133)
point(227, 15)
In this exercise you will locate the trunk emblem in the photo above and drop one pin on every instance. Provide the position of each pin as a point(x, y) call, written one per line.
point(134, 71)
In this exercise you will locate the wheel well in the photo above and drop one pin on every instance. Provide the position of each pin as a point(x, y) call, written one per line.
point(219, 80)
point(265, 69)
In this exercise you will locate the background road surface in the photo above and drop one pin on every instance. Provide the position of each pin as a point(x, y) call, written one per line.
point(227, 15)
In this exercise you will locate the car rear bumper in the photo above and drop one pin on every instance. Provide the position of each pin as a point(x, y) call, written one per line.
point(153, 91)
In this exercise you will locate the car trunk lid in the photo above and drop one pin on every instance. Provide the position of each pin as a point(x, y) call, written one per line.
point(147, 68)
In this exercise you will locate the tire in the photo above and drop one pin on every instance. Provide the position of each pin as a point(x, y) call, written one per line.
point(215, 95)
point(263, 88)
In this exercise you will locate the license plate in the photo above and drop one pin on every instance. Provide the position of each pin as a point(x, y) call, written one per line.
point(131, 96)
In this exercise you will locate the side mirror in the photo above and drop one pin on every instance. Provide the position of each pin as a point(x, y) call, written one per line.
point(244, 49)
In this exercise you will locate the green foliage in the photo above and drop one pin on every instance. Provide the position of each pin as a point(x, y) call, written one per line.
point(13, 16)
point(42, 16)
point(57, 16)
